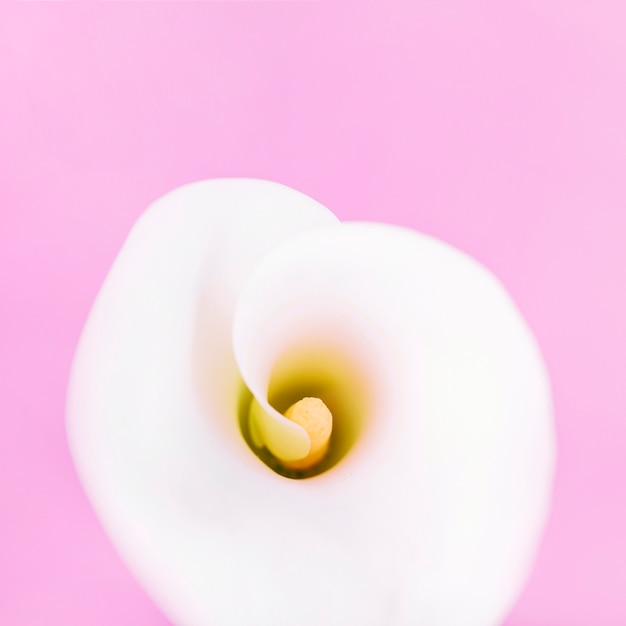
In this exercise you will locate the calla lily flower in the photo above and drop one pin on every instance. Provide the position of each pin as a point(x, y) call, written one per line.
point(230, 301)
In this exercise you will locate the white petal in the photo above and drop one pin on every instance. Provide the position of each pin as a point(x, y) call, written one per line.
point(441, 499)
point(153, 399)
point(437, 494)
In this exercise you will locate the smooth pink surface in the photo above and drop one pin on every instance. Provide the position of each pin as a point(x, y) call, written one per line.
point(501, 130)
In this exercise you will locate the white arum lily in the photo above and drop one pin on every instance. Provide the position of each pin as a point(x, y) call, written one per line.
point(232, 299)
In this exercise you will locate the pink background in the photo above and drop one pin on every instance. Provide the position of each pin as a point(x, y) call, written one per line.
point(501, 130)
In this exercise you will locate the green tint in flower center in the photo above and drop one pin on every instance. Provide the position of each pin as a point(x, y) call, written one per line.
point(319, 372)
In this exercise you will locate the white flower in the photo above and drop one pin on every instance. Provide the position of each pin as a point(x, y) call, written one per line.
point(429, 505)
